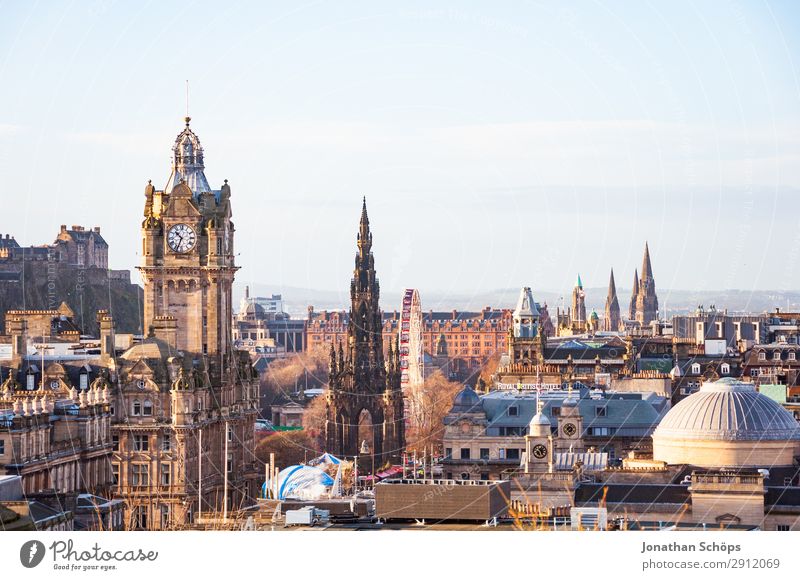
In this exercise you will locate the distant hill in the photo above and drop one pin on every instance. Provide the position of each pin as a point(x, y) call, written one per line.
point(43, 285)
point(296, 300)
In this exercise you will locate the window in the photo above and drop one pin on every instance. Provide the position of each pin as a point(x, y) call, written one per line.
point(137, 408)
point(230, 462)
point(754, 372)
point(465, 453)
point(513, 411)
point(2, 446)
point(140, 518)
point(448, 454)
point(762, 355)
point(115, 442)
point(148, 408)
point(484, 453)
point(165, 474)
point(725, 369)
point(600, 411)
point(776, 355)
point(230, 434)
point(512, 453)
point(601, 431)
point(164, 517)
point(484, 477)
point(140, 475)
point(783, 528)
point(696, 368)
point(115, 474)
point(141, 442)
point(84, 381)
point(792, 355)
point(30, 382)
point(166, 442)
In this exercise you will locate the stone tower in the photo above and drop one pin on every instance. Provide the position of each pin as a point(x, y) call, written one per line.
point(187, 256)
point(646, 299)
point(578, 310)
point(360, 380)
point(612, 321)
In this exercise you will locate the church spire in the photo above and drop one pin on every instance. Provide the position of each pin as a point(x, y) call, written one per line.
point(647, 268)
point(612, 320)
point(634, 294)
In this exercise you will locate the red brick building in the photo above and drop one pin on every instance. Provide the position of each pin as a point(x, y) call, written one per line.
point(466, 339)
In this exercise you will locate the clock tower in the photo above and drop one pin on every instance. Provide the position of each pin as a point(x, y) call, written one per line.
point(539, 443)
point(187, 263)
point(570, 424)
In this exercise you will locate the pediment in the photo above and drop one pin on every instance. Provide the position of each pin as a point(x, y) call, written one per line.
point(181, 205)
point(140, 370)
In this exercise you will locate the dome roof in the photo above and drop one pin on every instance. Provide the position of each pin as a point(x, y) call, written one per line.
point(467, 401)
point(728, 410)
point(150, 348)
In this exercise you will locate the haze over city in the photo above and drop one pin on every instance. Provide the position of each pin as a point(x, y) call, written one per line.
point(501, 148)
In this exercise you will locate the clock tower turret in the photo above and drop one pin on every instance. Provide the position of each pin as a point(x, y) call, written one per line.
point(187, 261)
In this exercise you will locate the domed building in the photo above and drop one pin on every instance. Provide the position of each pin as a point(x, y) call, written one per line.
point(727, 423)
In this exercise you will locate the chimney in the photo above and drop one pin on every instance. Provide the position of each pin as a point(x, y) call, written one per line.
point(96, 229)
point(166, 328)
point(106, 333)
point(247, 291)
point(17, 328)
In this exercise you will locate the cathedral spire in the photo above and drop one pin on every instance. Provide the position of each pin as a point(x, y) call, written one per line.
point(612, 321)
point(647, 268)
point(634, 294)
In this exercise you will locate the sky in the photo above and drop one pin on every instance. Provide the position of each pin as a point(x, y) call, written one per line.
point(499, 145)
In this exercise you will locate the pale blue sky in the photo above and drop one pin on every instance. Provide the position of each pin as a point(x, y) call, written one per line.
point(498, 146)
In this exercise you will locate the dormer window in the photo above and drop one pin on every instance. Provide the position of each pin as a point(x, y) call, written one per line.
point(725, 369)
point(30, 382)
point(600, 411)
point(776, 355)
point(762, 355)
point(792, 355)
point(696, 368)
point(84, 381)
point(513, 411)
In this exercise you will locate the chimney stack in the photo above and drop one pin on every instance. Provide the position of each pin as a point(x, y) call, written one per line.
point(17, 328)
point(106, 333)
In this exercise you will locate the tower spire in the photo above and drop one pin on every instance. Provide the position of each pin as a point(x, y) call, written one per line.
point(647, 268)
point(364, 235)
point(612, 321)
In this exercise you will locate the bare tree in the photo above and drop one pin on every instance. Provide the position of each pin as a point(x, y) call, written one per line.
point(428, 404)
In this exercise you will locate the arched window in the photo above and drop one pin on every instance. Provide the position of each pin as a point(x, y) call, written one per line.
point(725, 369)
point(148, 408)
point(137, 408)
point(696, 368)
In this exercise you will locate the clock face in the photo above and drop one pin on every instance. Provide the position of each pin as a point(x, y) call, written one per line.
point(181, 238)
point(539, 451)
point(54, 384)
point(569, 429)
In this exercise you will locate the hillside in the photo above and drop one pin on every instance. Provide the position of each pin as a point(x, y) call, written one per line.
point(43, 285)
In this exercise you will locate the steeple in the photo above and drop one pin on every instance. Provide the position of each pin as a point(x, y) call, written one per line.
point(647, 269)
point(634, 294)
point(612, 321)
point(646, 299)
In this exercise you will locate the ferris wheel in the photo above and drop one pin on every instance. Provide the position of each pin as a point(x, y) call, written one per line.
point(411, 357)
